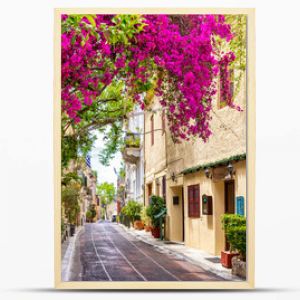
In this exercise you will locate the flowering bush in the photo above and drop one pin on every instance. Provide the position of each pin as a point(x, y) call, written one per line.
point(174, 56)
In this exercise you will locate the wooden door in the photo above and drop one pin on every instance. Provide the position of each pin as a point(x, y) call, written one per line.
point(229, 197)
point(229, 203)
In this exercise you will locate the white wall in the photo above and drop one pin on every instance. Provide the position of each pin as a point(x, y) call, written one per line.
point(135, 172)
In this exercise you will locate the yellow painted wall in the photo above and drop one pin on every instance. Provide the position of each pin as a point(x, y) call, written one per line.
point(174, 220)
point(228, 138)
point(206, 232)
point(199, 231)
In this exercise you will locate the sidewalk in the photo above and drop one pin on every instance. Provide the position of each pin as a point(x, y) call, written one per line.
point(67, 251)
point(207, 261)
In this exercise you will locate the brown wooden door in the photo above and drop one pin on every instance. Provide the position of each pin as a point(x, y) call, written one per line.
point(229, 197)
point(229, 203)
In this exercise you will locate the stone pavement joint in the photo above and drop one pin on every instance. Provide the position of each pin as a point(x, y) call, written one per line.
point(180, 251)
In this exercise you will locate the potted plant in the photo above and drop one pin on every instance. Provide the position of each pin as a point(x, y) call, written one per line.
point(156, 206)
point(235, 232)
point(133, 210)
point(239, 242)
point(146, 220)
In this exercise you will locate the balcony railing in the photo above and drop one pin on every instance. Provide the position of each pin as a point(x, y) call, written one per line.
point(131, 152)
point(132, 140)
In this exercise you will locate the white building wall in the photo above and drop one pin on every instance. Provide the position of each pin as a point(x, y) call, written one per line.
point(135, 172)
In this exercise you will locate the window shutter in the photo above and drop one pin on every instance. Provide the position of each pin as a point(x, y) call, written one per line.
point(190, 200)
point(240, 205)
point(194, 201)
point(164, 187)
point(152, 130)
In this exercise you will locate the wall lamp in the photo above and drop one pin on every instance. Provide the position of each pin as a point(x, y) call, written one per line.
point(173, 177)
point(230, 169)
point(208, 173)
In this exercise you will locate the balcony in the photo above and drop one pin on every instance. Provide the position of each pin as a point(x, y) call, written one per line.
point(131, 151)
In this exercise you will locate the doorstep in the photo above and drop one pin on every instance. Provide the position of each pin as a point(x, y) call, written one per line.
point(178, 250)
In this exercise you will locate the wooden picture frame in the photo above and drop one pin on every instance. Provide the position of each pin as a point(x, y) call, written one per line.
point(250, 150)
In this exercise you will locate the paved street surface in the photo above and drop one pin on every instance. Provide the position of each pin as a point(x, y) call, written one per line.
point(105, 252)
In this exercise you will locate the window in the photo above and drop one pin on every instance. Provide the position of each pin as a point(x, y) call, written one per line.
point(194, 201)
point(163, 121)
point(164, 187)
point(152, 130)
point(226, 86)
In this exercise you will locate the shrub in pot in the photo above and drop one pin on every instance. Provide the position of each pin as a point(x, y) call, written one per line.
point(146, 220)
point(235, 232)
point(239, 241)
point(133, 210)
point(157, 204)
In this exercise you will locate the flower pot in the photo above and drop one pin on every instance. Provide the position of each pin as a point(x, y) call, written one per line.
point(226, 258)
point(147, 228)
point(139, 225)
point(155, 232)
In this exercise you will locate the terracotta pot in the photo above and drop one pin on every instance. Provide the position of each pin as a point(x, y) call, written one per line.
point(155, 232)
point(139, 225)
point(147, 228)
point(226, 258)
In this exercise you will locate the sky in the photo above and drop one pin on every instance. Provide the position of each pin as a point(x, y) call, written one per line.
point(104, 173)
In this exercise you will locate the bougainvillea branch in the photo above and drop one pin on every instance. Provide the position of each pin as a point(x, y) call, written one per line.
point(174, 56)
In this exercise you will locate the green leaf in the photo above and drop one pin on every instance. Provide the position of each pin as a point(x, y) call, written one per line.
point(91, 19)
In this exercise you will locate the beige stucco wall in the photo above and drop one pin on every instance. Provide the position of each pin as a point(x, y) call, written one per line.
point(199, 231)
point(206, 232)
point(174, 219)
point(228, 138)
point(155, 155)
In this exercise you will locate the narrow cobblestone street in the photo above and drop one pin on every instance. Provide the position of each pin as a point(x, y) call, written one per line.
point(105, 252)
